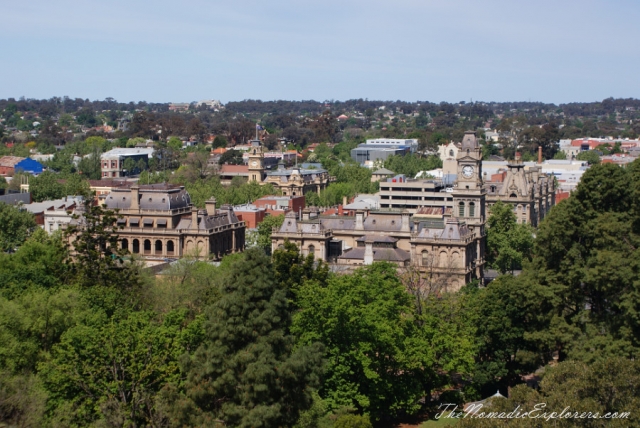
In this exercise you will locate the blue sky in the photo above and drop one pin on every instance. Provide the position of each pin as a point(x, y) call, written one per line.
point(161, 51)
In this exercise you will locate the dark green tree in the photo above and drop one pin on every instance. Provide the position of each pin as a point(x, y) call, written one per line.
point(590, 156)
point(247, 373)
point(46, 187)
point(509, 243)
point(15, 226)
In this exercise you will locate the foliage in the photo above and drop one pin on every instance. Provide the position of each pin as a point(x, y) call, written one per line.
point(22, 400)
point(46, 186)
point(231, 157)
point(586, 260)
point(411, 164)
point(379, 360)
point(509, 243)
point(292, 270)
point(590, 156)
point(15, 226)
point(265, 230)
point(246, 373)
point(112, 370)
point(604, 387)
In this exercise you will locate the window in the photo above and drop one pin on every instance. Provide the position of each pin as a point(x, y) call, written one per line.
point(158, 247)
point(451, 153)
point(136, 246)
point(425, 258)
point(170, 247)
point(472, 209)
point(125, 244)
point(312, 249)
point(461, 209)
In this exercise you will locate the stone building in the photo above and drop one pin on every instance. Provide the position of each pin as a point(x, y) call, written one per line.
point(293, 181)
point(529, 192)
point(446, 245)
point(159, 221)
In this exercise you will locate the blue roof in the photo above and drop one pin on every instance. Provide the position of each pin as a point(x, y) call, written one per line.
point(29, 165)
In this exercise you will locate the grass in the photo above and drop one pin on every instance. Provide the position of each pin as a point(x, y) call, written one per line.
point(438, 423)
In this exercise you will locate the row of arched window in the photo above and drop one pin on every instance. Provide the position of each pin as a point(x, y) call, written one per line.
point(146, 246)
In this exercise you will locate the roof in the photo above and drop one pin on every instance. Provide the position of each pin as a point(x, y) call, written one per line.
point(234, 169)
point(382, 171)
point(10, 161)
point(379, 254)
point(127, 151)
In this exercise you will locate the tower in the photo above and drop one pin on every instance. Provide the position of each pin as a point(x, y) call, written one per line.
point(469, 194)
point(256, 162)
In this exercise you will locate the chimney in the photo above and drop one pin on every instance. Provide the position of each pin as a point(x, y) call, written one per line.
point(360, 221)
point(194, 218)
point(368, 252)
point(211, 206)
point(405, 223)
point(340, 210)
point(305, 214)
point(135, 198)
point(539, 154)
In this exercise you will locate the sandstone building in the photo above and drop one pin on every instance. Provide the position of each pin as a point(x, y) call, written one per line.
point(159, 221)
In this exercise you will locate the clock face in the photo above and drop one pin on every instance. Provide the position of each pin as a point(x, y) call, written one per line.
point(254, 163)
point(467, 171)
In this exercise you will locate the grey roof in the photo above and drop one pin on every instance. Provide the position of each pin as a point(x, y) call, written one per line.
point(374, 238)
point(379, 254)
point(151, 197)
point(383, 171)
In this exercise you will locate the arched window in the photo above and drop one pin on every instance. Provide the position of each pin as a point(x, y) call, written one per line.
point(513, 195)
point(425, 258)
point(125, 244)
point(461, 209)
point(170, 248)
point(312, 250)
point(136, 246)
point(472, 209)
point(147, 246)
point(451, 153)
point(158, 247)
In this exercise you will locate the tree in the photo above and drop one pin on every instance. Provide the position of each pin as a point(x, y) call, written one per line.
point(265, 229)
point(571, 387)
point(509, 244)
point(46, 187)
point(379, 360)
point(15, 226)
point(175, 144)
point(586, 259)
point(590, 156)
point(247, 373)
point(219, 141)
point(292, 270)
point(560, 155)
point(231, 157)
point(112, 370)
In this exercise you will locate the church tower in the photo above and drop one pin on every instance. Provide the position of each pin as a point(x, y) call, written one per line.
point(469, 194)
point(256, 162)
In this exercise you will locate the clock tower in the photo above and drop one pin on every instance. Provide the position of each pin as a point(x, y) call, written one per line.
point(256, 162)
point(469, 194)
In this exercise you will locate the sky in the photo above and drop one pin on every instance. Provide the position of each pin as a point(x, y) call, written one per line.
point(412, 50)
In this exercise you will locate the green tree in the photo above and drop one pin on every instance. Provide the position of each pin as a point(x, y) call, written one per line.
point(509, 244)
point(379, 360)
point(292, 270)
point(175, 144)
point(219, 141)
point(15, 226)
point(231, 157)
point(411, 164)
point(46, 187)
point(265, 230)
point(560, 155)
point(247, 373)
point(586, 259)
point(590, 156)
point(606, 386)
point(114, 369)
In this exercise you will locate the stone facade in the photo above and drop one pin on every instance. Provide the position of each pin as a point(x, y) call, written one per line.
point(159, 221)
point(446, 246)
point(531, 193)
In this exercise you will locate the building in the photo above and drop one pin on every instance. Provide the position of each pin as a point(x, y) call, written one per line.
point(382, 148)
point(159, 221)
point(114, 162)
point(7, 165)
point(529, 192)
point(381, 174)
point(56, 214)
point(445, 244)
point(293, 181)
